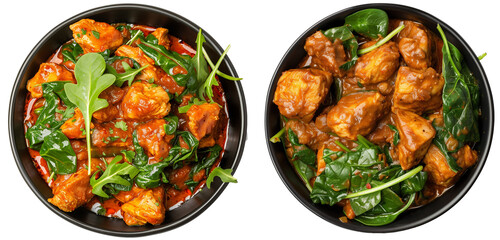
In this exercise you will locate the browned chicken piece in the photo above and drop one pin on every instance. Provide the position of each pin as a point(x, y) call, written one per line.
point(357, 113)
point(114, 96)
point(415, 45)
point(168, 83)
point(109, 135)
point(95, 36)
point(311, 136)
point(80, 148)
point(138, 55)
point(162, 35)
point(145, 101)
point(74, 127)
point(48, 72)
point(377, 65)
point(416, 134)
point(126, 196)
point(382, 134)
point(152, 138)
point(300, 92)
point(418, 90)
point(202, 119)
point(72, 191)
point(437, 167)
point(148, 207)
point(325, 54)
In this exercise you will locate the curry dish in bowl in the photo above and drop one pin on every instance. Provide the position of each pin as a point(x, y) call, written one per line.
point(127, 121)
point(381, 116)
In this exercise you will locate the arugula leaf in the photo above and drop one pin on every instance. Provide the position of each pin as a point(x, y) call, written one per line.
point(219, 73)
point(211, 155)
point(112, 174)
point(199, 62)
point(206, 89)
point(85, 94)
point(127, 76)
point(223, 174)
point(178, 153)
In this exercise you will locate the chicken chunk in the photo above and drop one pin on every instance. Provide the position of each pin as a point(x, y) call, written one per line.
point(416, 134)
point(74, 127)
point(145, 101)
point(152, 137)
point(300, 92)
point(73, 191)
point(357, 113)
point(377, 65)
point(310, 135)
point(148, 207)
point(437, 166)
point(162, 35)
point(415, 46)
point(138, 55)
point(95, 36)
point(114, 96)
point(48, 72)
point(109, 135)
point(418, 90)
point(325, 54)
point(202, 119)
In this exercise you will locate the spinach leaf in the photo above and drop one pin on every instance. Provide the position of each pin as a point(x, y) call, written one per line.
point(193, 101)
point(112, 174)
point(57, 151)
point(332, 184)
point(177, 153)
point(140, 159)
point(305, 172)
point(91, 82)
point(369, 22)
point(460, 103)
point(127, 76)
point(359, 182)
point(168, 60)
point(211, 155)
point(442, 136)
point(71, 51)
point(115, 188)
point(151, 175)
point(414, 184)
point(223, 174)
point(349, 42)
point(375, 219)
point(46, 122)
point(172, 123)
point(390, 201)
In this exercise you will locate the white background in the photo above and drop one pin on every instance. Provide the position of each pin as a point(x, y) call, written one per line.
point(259, 206)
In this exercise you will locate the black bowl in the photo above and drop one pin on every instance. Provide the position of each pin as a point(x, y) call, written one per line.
point(411, 218)
point(137, 14)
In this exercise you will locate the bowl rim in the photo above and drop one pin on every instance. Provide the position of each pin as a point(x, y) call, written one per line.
point(239, 94)
point(487, 137)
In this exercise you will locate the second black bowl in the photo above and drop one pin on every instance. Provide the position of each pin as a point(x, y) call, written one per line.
point(411, 218)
